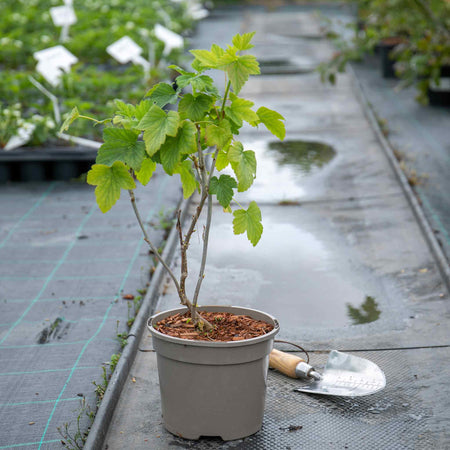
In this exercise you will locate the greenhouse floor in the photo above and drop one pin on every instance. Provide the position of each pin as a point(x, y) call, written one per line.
point(339, 236)
point(345, 263)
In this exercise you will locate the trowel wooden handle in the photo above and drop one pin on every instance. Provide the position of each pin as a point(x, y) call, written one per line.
point(284, 362)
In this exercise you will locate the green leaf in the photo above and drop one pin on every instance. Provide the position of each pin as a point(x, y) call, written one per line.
point(187, 177)
point(223, 189)
point(240, 109)
point(178, 69)
point(142, 109)
point(243, 164)
point(184, 80)
point(222, 160)
point(194, 108)
point(109, 182)
point(273, 121)
point(218, 51)
point(239, 68)
point(219, 135)
point(124, 109)
point(157, 125)
point(184, 142)
point(203, 83)
point(242, 41)
point(148, 166)
point(248, 221)
point(121, 145)
point(74, 114)
point(207, 59)
point(162, 94)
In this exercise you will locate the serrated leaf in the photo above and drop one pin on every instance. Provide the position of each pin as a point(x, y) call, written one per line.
point(273, 121)
point(204, 83)
point(142, 108)
point(240, 109)
point(145, 173)
point(162, 94)
point(243, 163)
point(121, 145)
point(124, 109)
point(178, 69)
point(109, 182)
point(184, 80)
point(184, 142)
point(218, 51)
point(157, 125)
point(187, 177)
point(219, 135)
point(207, 59)
point(222, 188)
point(242, 41)
point(248, 221)
point(239, 68)
point(74, 114)
point(194, 108)
point(222, 160)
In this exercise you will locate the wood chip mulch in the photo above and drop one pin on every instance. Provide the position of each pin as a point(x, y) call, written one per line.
point(227, 327)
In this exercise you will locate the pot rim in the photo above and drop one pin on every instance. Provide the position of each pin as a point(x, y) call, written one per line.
point(222, 308)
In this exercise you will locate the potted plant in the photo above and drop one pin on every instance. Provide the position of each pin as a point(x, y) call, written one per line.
point(212, 361)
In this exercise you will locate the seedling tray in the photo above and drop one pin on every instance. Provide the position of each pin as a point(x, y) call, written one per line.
point(56, 162)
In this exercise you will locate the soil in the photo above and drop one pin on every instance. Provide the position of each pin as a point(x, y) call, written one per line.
point(227, 327)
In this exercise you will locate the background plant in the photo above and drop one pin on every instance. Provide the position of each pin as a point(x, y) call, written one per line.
point(421, 28)
point(26, 27)
point(193, 141)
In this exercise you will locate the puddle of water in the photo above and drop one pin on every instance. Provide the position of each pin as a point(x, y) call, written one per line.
point(305, 157)
point(286, 169)
point(366, 313)
point(283, 66)
point(290, 273)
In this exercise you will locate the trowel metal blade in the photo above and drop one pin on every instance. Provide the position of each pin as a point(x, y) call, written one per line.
point(347, 376)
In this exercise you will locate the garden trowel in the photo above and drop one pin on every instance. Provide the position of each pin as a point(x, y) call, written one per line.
point(344, 375)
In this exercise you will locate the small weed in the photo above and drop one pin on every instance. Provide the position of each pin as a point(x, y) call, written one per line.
point(76, 440)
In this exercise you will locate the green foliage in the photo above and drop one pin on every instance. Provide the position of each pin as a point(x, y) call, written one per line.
point(193, 139)
point(419, 29)
point(174, 139)
point(248, 220)
point(26, 27)
point(109, 181)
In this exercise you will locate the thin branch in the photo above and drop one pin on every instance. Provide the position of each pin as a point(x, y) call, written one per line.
point(201, 274)
point(146, 239)
point(184, 266)
point(181, 294)
point(227, 89)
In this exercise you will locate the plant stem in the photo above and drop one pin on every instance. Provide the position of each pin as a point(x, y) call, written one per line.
point(225, 97)
point(151, 245)
point(181, 294)
point(201, 274)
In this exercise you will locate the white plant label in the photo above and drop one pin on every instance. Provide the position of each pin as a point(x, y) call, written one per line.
point(23, 136)
point(171, 40)
point(197, 12)
point(63, 15)
point(53, 61)
point(124, 50)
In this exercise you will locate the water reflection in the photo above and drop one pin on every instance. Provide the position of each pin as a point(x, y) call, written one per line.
point(307, 156)
point(366, 313)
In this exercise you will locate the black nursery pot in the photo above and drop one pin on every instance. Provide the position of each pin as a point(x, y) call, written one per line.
point(440, 95)
point(386, 62)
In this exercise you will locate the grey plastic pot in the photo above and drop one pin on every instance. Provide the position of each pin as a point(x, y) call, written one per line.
point(213, 388)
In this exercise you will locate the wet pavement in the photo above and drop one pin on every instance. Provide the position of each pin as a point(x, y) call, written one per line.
point(421, 137)
point(343, 263)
